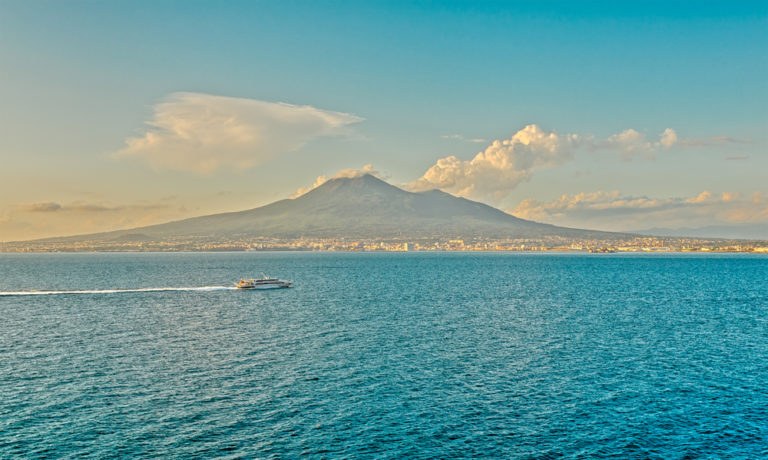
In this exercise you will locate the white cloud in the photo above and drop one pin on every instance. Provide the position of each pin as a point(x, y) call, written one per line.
point(348, 173)
point(629, 140)
point(495, 172)
point(668, 138)
point(631, 143)
point(615, 211)
point(201, 132)
point(702, 197)
point(498, 169)
point(460, 137)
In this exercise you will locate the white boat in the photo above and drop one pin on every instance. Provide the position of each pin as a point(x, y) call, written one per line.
point(264, 282)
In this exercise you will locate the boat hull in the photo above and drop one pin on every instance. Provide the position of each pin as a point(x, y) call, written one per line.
point(264, 287)
point(264, 282)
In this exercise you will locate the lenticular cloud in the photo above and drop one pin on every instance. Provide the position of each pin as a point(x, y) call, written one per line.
point(201, 132)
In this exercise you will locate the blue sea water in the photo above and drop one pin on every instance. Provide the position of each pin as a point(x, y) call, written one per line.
point(384, 356)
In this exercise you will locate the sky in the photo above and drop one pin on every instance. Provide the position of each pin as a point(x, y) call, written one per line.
point(605, 115)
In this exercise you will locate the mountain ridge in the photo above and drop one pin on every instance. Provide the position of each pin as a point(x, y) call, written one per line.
point(358, 207)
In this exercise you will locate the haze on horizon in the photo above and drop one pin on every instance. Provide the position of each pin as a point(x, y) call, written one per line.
point(618, 117)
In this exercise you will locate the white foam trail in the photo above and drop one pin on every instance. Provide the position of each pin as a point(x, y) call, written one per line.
point(119, 291)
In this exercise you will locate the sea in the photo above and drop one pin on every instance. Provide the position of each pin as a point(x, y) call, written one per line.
point(381, 355)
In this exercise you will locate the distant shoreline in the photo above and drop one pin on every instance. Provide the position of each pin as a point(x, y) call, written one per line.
point(436, 251)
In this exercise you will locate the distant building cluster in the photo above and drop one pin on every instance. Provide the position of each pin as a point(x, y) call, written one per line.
point(554, 244)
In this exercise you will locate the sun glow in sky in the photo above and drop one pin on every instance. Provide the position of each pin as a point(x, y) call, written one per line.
point(614, 116)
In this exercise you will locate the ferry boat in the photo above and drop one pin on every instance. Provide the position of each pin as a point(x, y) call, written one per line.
point(264, 282)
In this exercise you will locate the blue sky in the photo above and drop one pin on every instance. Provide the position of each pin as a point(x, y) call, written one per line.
point(418, 81)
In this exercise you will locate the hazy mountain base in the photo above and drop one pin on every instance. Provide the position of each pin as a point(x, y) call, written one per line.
point(363, 207)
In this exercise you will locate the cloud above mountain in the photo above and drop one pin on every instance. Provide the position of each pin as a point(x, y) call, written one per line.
point(348, 173)
point(202, 133)
point(493, 173)
point(501, 166)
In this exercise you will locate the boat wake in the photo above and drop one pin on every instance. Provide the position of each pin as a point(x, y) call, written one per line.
point(119, 291)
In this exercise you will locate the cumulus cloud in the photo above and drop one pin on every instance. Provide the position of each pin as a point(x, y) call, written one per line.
point(702, 197)
point(629, 140)
point(612, 210)
point(501, 166)
point(348, 173)
point(668, 138)
point(631, 143)
point(493, 173)
point(202, 132)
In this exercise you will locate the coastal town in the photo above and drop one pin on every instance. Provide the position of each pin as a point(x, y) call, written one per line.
point(638, 244)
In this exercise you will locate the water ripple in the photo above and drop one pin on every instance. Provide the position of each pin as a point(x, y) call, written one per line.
point(388, 356)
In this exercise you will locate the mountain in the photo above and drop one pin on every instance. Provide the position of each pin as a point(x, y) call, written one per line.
point(361, 207)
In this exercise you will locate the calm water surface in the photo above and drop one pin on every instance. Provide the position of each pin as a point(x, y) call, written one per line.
point(385, 356)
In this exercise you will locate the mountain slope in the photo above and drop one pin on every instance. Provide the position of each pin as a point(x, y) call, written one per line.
point(362, 207)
